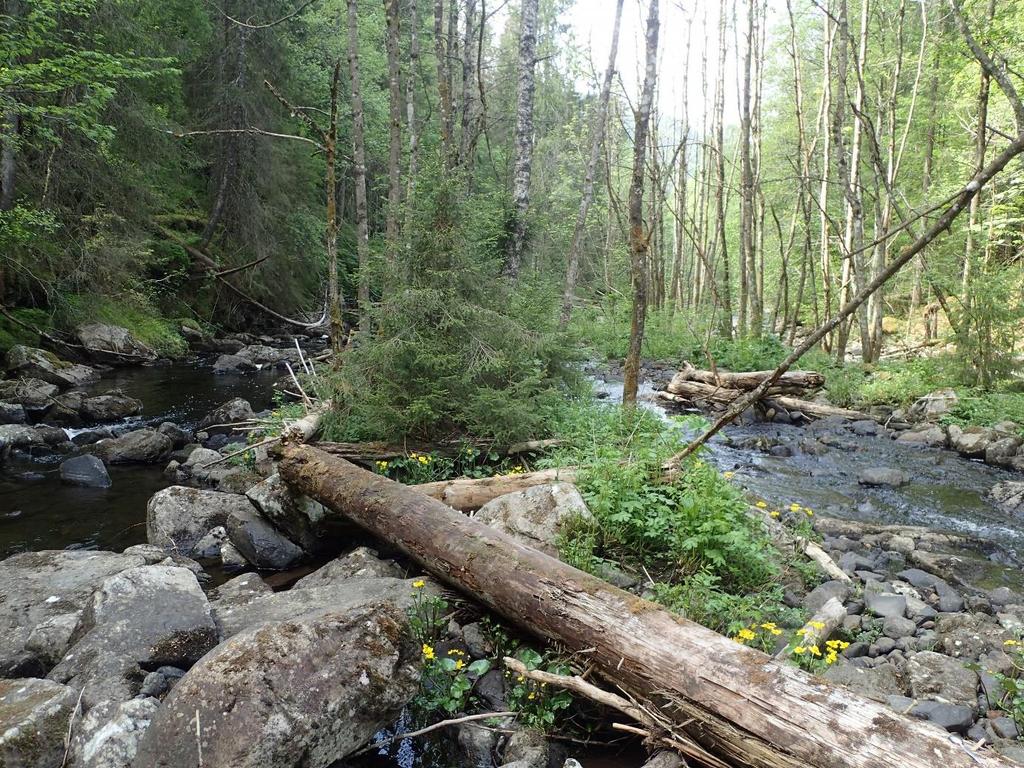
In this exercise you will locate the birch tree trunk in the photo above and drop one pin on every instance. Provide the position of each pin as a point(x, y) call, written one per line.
point(466, 122)
point(336, 304)
point(410, 109)
point(752, 313)
point(443, 86)
point(359, 166)
point(523, 138)
point(638, 239)
point(598, 126)
point(391, 40)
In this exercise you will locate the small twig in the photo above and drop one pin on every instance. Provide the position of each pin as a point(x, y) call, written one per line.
point(308, 403)
point(71, 723)
point(199, 740)
point(434, 727)
point(247, 448)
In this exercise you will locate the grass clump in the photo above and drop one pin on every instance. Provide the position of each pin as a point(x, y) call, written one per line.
point(131, 310)
point(13, 333)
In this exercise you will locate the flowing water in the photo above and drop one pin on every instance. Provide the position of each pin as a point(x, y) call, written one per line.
point(37, 511)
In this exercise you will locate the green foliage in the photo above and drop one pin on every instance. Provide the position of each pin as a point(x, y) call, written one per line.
point(454, 351)
point(447, 681)
point(468, 461)
point(12, 333)
point(1011, 681)
point(700, 597)
point(131, 310)
point(538, 706)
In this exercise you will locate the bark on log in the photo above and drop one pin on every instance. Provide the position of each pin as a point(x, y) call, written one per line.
point(686, 392)
point(469, 494)
point(382, 451)
point(802, 380)
point(735, 701)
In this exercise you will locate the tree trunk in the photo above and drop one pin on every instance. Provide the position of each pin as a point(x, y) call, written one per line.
point(443, 85)
point(795, 380)
point(600, 120)
point(638, 239)
point(736, 701)
point(410, 112)
point(334, 298)
point(469, 494)
point(750, 314)
point(523, 139)
point(720, 189)
point(395, 125)
point(466, 142)
point(694, 392)
point(359, 169)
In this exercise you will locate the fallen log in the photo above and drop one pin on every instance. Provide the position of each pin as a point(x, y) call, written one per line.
point(795, 380)
point(380, 450)
point(469, 494)
point(694, 391)
point(736, 702)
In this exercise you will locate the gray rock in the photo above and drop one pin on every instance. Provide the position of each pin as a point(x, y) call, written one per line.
point(360, 563)
point(1004, 728)
point(260, 543)
point(897, 627)
point(18, 436)
point(238, 592)
point(477, 643)
point(876, 683)
point(950, 602)
point(1000, 452)
point(934, 405)
point(232, 412)
point(34, 718)
point(851, 562)
point(307, 691)
point(1009, 497)
point(233, 364)
point(85, 470)
point(110, 406)
point(44, 593)
point(476, 745)
point(177, 518)
point(972, 442)
point(108, 736)
point(855, 650)
point(231, 558)
point(882, 646)
point(885, 604)
point(25, 361)
point(34, 395)
point(953, 717)
point(142, 446)
point(143, 617)
point(299, 517)
point(491, 690)
point(865, 427)
point(179, 437)
point(208, 547)
point(919, 579)
point(885, 476)
point(934, 675)
point(537, 515)
point(968, 636)
point(113, 345)
point(822, 593)
point(12, 413)
point(925, 435)
point(529, 748)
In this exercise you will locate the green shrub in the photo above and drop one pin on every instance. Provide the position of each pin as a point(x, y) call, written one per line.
point(13, 333)
point(131, 310)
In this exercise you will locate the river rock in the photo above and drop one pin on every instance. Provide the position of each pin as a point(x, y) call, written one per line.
point(264, 355)
point(18, 436)
point(113, 345)
point(934, 675)
point(882, 476)
point(360, 563)
point(822, 593)
point(971, 442)
point(1009, 497)
point(34, 718)
point(1000, 453)
point(140, 618)
point(142, 446)
point(924, 435)
point(177, 518)
point(966, 636)
point(537, 515)
point(896, 627)
point(47, 586)
point(299, 517)
point(233, 364)
point(878, 683)
point(956, 718)
point(110, 406)
point(232, 412)
point(307, 691)
point(40, 364)
point(12, 413)
point(108, 736)
point(85, 470)
point(239, 592)
point(66, 409)
point(884, 604)
point(179, 437)
point(261, 543)
point(933, 405)
point(34, 395)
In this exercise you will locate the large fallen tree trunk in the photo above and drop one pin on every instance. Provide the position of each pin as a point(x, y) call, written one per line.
point(468, 494)
point(735, 701)
point(383, 451)
point(686, 392)
point(795, 380)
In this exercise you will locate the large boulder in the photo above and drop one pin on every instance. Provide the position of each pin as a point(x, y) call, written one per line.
point(299, 517)
point(307, 691)
point(233, 364)
point(142, 446)
point(34, 717)
point(108, 736)
point(1001, 452)
point(18, 436)
point(40, 364)
point(43, 595)
point(113, 344)
point(924, 435)
point(85, 470)
point(936, 676)
point(113, 405)
point(971, 442)
point(264, 355)
point(139, 619)
point(537, 515)
point(933, 405)
point(360, 563)
point(261, 543)
point(884, 476)
point(177, 518)
point(12, 413)
point(220, 419)
point(34, 395)
point(1009, 497)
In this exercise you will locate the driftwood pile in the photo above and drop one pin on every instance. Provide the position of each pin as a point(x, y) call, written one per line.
point(713, 390)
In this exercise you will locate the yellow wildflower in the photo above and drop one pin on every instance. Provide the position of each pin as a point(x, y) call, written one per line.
point(382, 465)
point(768, 625)
point(810, 512)
point(817, 624)
point(831, 657)
point(424, 459)
point(799, 650)
point(794, 507)
point(774, 513)
point(815, 651)
point(745, 634)
point(459, 664)
point(728, 475)
point(532, 696)
point(802, 631)
point(428, 652)
point(419, 584)
point(762, 505)
point(1010, 642)
point(517, 469)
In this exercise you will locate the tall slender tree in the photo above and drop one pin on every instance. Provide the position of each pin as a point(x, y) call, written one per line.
point(391, 42)
point(359, 166)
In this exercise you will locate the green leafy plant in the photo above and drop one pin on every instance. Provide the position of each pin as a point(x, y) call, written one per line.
point(536, 703)
point(1012, 684)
